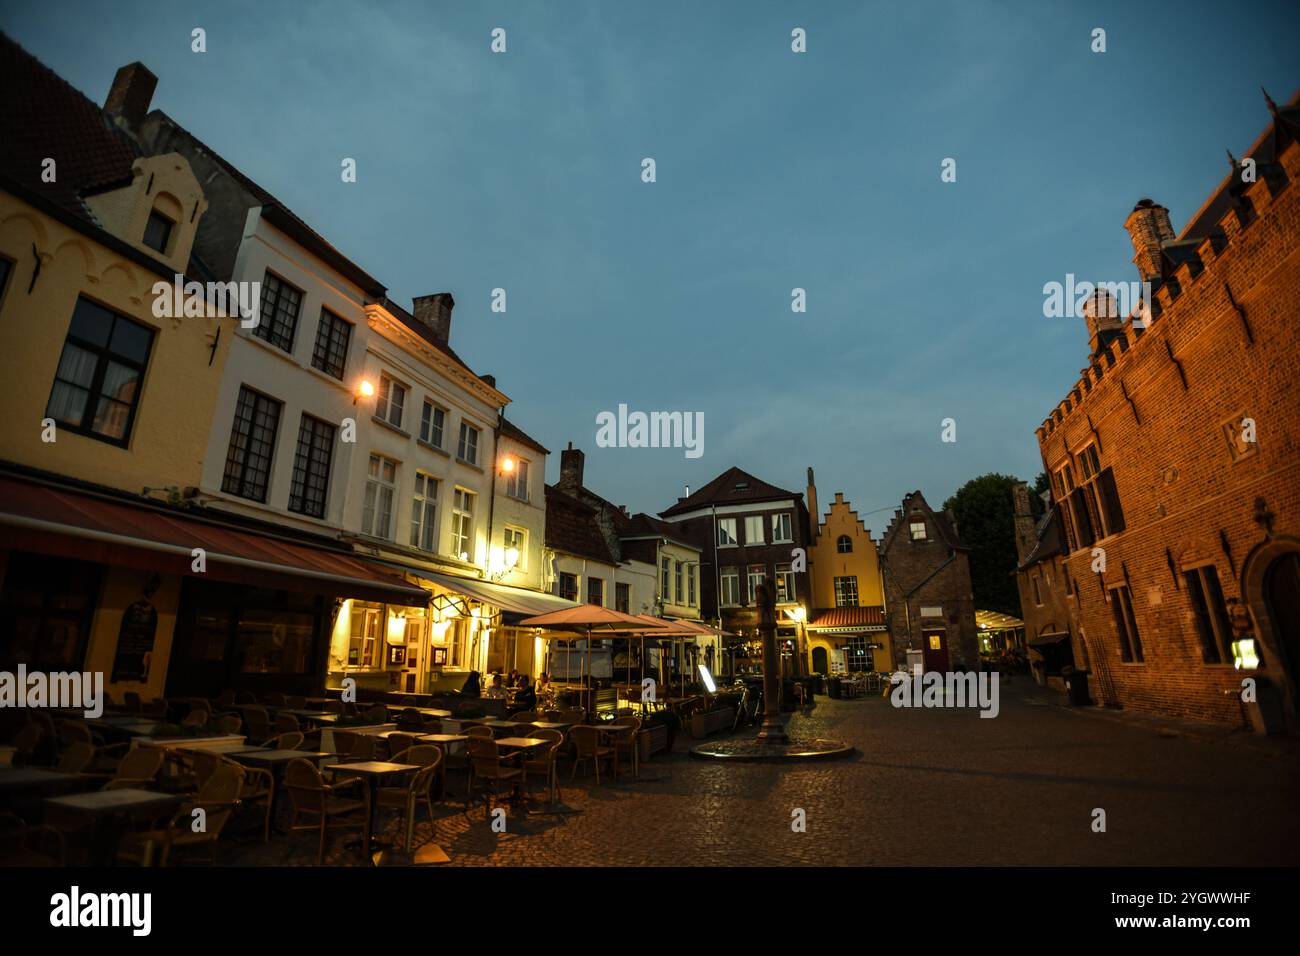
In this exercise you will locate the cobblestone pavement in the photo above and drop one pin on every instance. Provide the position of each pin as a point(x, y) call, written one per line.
point(928, 787)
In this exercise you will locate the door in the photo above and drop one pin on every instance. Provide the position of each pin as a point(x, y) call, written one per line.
point(1282, 598)
point(821, 664)
point(936, 650)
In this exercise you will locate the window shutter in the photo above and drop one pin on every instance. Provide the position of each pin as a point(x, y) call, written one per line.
point(1081, 520)
point(1110, 500)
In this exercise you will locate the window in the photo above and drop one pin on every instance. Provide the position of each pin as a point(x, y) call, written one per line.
point(568, 586)
point(622, 597)
point(726, 532)
point(729, 587)
point(1212, 623)
point(367, 629)
point(390, 401)
point(278, 319)
point(467, 445)
point(1096, 498)
point(252, 442)
point(595, 590)
point(1038, 596)
point(424, 513)
point(844, 544)
point(1130, 643)
point(781, 528)
point(517, 481)
point(377, 508)
point(784, 584)
point(857, 655)
point(462, 524)
point(97, 384)
point(432, 419)
point(311, 467)
point(665, 569)
point(332, 337)
point(846, 591)
point(690, 584)
point(47, 607)
point(754, 530)
point(756, 575)
point(158, 231)
point(918, 530)
point(515, 539)
point(678, 590)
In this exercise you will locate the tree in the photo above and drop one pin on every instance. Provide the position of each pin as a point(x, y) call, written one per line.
point(986, 523)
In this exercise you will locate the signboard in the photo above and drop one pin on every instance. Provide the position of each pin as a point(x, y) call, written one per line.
point(135, 640)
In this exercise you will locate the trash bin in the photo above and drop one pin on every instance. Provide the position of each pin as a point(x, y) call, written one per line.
point(1076, 681)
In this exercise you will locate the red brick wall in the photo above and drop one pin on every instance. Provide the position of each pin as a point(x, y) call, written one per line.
point(1178, 483)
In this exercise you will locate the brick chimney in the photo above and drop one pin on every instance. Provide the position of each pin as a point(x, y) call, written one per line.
point(1026, 524)
point(434, 312)
point(814, 519)
point(490, 380)
point(1101, 315)
point(571, 462)
point(1149, 227)
point(131, 93)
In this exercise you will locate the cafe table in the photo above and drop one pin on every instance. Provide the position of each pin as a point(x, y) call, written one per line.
point(37, 778)
point(372, 771)
point(560, 725)
point(111, 810)
point(422, 711)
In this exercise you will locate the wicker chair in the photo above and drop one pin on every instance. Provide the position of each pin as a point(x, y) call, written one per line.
point(289, 741)
point(487, 764)
point(625, 741)
point(75, 758)
point(311, 796)
point(478, 730)
point(400, 742)
point(406, 799)
point(286, 723)
point(354, 746)
point(139, 768)
point(377, 713)
point(218, 797)
point(257, 724)
point(542, 761)
point(586, 741)
point(229, 723)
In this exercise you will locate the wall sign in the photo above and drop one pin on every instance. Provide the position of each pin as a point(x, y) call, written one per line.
point(135, 640)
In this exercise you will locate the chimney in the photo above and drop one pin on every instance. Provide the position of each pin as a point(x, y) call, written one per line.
point(131, 93)
point(571, 460)
point(1101, 315)
point(1149, 227)
point(434, 312)
point(814, 519)
point(1026, 526)
point(491, 380)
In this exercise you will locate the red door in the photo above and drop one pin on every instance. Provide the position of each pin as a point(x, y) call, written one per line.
point(936, 650)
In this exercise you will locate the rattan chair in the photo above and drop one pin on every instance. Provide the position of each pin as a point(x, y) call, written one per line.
point(229, 723)
point(626, 742)
point(542, 761)
point(286, 723)
point(399, 742)
point(487, 764)
point(75, 758)
point(311, 796)
point(406, 799)
point(257, 724)
point(587, 746)
point(290, 741)
point(218, 798)
point(139, 768)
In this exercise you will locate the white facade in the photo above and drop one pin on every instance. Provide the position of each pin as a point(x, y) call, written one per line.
point(520, 515)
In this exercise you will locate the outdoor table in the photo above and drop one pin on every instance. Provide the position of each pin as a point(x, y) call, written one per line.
point(110, 811)
point(422, 711)
point(225, 749)
point(189, 743)
point(24, 778)
point(273, 758)
point(560, 725)
point(522, 743)
point(373, 771)
point(445, 743)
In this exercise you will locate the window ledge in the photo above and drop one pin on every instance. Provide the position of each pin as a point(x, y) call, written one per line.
point(470, 464)
point(390, 426)
point(432, 447)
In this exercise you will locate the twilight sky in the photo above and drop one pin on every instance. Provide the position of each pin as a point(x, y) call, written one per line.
point(775, 170)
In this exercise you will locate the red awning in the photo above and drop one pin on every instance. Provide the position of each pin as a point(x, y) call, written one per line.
point(90, 527)
point(849, 619)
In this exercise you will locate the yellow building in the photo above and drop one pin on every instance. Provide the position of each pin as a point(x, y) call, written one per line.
point(846, 627)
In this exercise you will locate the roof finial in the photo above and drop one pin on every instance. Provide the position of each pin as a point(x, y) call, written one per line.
point(1272, 107)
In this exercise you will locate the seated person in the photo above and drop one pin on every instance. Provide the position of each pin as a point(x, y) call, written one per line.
point(515, 680)
point(471, 686)
point(498, 687)
point(526, 697)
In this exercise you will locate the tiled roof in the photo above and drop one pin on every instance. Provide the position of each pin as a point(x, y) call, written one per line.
point(513, 431)
point(1049, 539)
point(42, 117)
point(644, 525)
point(731, 487)
point(847, 617)
point(571, 527)
point(942, 524)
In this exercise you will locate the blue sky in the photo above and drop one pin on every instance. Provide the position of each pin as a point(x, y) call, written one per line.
point(775, 171)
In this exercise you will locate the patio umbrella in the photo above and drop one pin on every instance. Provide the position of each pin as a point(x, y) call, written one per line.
point(662, 627)
point(589, 618)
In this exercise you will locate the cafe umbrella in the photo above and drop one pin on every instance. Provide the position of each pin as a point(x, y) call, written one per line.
point(591, 619)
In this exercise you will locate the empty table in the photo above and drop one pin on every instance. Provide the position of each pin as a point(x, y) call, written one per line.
point(374, 771)
point(110, 810)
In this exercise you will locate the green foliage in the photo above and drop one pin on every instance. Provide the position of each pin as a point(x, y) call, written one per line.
point(986, 523)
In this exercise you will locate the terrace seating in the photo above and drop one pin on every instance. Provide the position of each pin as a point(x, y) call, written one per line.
point(286, 723)
point(542, 761)
point(487, 765)
point(586, 741)
point(354, 746)
point(225, 700)
point(139, 768)
point(218, 798)
point(257, 724)
point(311, 796)
point(626, 742)
point(24, 845)
point(104, 757)
point(406, 799)
point(290, 741)
point(229, 723)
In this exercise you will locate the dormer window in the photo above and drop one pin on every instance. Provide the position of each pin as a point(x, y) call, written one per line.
point(158, 231)
point(844, 544)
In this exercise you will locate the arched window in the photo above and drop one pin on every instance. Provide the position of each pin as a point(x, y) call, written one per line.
point(844, 544)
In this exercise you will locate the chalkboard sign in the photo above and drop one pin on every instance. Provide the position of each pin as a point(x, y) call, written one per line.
point(135, 640)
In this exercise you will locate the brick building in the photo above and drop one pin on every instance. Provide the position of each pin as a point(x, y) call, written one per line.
point(928, 599)
point(1050, 628)
point(1175, 458)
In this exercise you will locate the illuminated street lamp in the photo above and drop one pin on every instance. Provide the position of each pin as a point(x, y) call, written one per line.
point(364, 390)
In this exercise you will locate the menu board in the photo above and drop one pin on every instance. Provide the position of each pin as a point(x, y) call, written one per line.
point(135, 640)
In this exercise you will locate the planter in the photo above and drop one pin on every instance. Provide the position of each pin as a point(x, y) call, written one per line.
point(653, 739)
point(704, 724)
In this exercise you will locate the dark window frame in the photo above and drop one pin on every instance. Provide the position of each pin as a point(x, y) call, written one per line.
point(333, 339)
point(270, 329)
point(169, 224)
point(840, 543)
point(307, 465)
point(1213, 626)
point(234, 479)
point(1130, 639)
point(568, 586)
point(622, 596)
point(103, 356)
